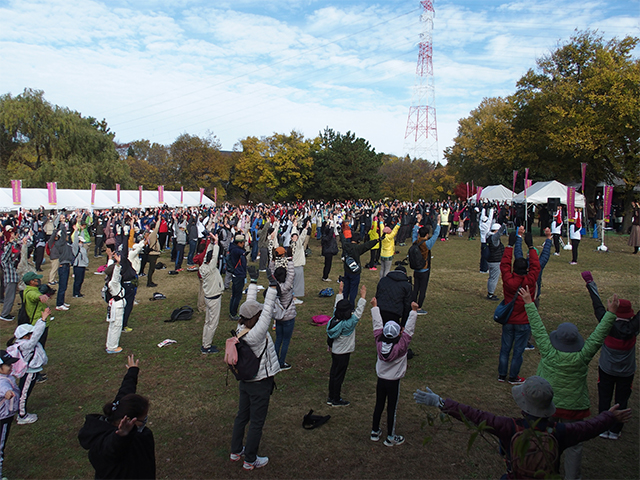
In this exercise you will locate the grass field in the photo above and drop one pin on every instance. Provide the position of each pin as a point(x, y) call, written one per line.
point(193, 403)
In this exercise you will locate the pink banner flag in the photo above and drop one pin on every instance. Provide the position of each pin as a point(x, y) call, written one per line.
point(515, 176)
point(215, 195)
point(140, 195)
point(201, 194)
point(16, 190)
point(52, 193)
point(584, 174)
point(479, 193)
point(118, 193)
point(606, 207)
point(181, 194)
point(93, 193)
point(467, 191)
point(526, 177)
point(529, 183)
point(160, 193)
point(571, 203)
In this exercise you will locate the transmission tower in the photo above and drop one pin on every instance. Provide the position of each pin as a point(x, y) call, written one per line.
point(421, 136)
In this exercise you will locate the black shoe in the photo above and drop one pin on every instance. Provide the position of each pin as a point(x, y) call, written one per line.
point(340, 403)
point(152, 285)
point(491, 296)
point(41, 377)
point(142, 274)
point(78, 296)
point(285, 366)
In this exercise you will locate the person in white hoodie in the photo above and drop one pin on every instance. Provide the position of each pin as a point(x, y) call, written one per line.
point(485, 226)
point(392, 344)
point(299, 259)
point(116, 304)
point(26, 339)
point(254, 394)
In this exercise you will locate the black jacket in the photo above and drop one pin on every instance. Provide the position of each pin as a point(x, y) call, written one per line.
point(354, 250)
point(394, 294)
point(113, 456)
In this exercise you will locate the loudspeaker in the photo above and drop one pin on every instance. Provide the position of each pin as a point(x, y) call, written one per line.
point(553, 203)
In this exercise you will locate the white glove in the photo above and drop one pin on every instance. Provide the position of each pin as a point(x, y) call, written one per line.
point(428, 398)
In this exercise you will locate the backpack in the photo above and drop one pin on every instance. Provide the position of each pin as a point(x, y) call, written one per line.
point(242, 362)
point(279, 310)
point(107, 296)
point(416, 260)
point(19, 368)
point(351, 264)
point(182, 313)
point(22, 314)
point(534, 453)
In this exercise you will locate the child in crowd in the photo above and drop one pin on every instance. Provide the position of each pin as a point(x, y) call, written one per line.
point(392, 344)
point(9, 397)
point(116, 303)
point(341, 338)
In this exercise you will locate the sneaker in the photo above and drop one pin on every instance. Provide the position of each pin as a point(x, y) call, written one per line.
point(41, 377)
point(502, 378)
point(517, 381)
point(28, 418)
point(493, 297)
point(556, 254)
point(285, 366)
point(340, 403)
point(179, 269)
point(605, 434)
point(394, 441)
point(530, 347)
point(152, 285)
point(234, 318)
point(127, 330)
point(329, 401)
point(142, 274)
point(62, 307)
point(234, 457)
point(614, 436)
point(258, 463)
point(67, 305)
point(375, 435)
point(573, 263)
point(8, 318)
point(78, 296)
point(297, 301)
point(373, 269)
point(211, 349)
point(326, 279)
point(53, 283)
point(421, 312)
point(116, 350)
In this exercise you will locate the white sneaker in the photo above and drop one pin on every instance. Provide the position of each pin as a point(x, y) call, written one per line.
point(298, 302)
point(614, 436)
point(67, 305)
point(394, 441)
point(259, 463)
point(62, 307)
point(234, 457)
point(28, 418)
point(604, 434)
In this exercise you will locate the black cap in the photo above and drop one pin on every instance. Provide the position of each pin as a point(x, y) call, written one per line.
point(6, 359)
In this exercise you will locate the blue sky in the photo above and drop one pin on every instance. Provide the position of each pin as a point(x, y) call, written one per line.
point(156, 69)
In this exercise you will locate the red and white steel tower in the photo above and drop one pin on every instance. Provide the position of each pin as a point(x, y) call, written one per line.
point(421, 136)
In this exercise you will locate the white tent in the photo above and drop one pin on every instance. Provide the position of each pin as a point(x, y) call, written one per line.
point(494, 193)
point(541, 192)
point(34, 198)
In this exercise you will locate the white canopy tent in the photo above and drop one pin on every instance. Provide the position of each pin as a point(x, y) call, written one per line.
point(34, 198)
point(494, 193)
point(541, 192)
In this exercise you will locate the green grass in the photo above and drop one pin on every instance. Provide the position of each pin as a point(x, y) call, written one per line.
point(193, 407)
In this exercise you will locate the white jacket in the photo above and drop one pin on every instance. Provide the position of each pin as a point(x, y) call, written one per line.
point(31, 349)
point(212, 283)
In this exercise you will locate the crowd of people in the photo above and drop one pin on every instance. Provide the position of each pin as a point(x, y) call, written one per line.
point(228, 243)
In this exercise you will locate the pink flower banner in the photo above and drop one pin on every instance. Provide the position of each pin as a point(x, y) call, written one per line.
point(571, 203)
point(52, 193)
point(16, 190)
point(160, 193)
point(608, 197)
point(93, 193)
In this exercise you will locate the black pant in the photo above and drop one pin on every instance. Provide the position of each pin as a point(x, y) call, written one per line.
point(162, 238)
point(556, 242)
point(327, 266)
point(78, 279)
point(339, 364)
point(38, 256)
point(374, 258)
point(606, 384)
point(97, 250)
point(5, 427)
point(129, 296)
point(253, 406)
point(420, 284)
point(152, 268)
point(574, 250)
point(386, 389)
point(144, 258)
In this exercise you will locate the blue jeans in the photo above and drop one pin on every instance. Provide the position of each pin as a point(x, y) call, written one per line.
point(236, 294)
point(78, 279)
point(284, 331)
point(193, 245)
point(63, 280)
point(515, 336)
point(350, 289)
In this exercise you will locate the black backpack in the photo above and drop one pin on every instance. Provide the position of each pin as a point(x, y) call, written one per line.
point(247, 364)
point(416, 260)
point(182, 313)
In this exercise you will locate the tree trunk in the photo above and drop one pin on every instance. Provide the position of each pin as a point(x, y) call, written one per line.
point(628, 211)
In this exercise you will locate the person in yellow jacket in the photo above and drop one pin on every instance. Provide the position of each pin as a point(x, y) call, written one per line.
point(387, 248)
point(374, 234)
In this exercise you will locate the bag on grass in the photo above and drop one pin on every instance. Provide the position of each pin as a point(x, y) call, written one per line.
point(311, 421)
point(320, 319)
point(182, 313)
point(326, 292)
point(242, 362)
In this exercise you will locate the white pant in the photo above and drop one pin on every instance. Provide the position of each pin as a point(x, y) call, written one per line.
point(115, 320)
point(211, 320)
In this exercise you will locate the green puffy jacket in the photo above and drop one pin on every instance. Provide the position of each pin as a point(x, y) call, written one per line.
point(567, 371)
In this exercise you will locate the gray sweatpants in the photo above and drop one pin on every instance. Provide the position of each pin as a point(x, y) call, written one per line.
point(494, 276)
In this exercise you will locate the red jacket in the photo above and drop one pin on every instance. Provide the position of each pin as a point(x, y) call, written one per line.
point(511, 282)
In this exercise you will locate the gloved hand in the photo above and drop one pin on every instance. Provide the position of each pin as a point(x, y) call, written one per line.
point(512, 238)
point(427, 398)
point(528, 239)
point(253, 273)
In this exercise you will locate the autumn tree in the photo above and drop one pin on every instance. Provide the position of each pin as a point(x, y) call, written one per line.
point(40, 142)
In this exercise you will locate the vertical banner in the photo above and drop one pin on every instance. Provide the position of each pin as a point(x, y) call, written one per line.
point(16, 190)
point(140, 195)
point(478, 194)
point(606, 207)
point(201, 195)
point(583, 166)
point(528, 184)
point(515, 176)
point(215, 195)
point(181, 195)
point(467, 190)
point(160, 193)
point(52, 193)
point(93, 194)
point(526, 178)
point(571, 203)
point(118, 193)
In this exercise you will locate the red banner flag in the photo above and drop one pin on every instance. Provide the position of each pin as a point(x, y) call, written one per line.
point(118, 193)
point(181, 194)
point(515, 176)
point(93, 193)
point(571, 203)
point(584, 174)
point(467, 191)
point(478, 194)
point(215, 195)
point(201, 194)
point(52, 193)
point(606, 207)
point(16, 190)
point(140, 194)
point(526, 177)
point(160, 193)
